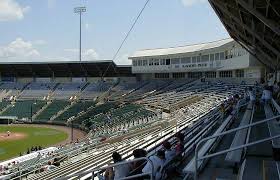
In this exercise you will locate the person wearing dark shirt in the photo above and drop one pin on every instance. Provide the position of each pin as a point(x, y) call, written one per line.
point(180, 143)
point(137, 166)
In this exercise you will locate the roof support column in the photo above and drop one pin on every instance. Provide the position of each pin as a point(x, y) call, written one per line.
point(265, 43)
point(272, 25)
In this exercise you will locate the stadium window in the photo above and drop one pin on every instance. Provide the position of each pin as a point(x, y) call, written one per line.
point(222, 56)
point(239, 73)
point(205, 58)
point(198, 59)
point(212, 57)
point(225, 74)
point(139, 63)
point(167, 61)
point(178, 75)
point(194, 59)
point(217, 56)
point(186, 60)
point(210, 74)
point(156, 62)
point(194, 74)
point(151, 62)
point(162, 75)
point(175, 61)
point(145, 63)
point(134, 63)
point(226, 54)
point(162, 62)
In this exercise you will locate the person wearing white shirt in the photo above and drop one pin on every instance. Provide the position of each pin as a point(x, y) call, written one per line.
point(251, 94)
point(158, 161)
point(117, 172)
point(267, 94)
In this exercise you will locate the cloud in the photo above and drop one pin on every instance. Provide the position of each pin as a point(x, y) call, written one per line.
point(123, 60)
point(189, 3)
point(39, 42)
point(10, 10)
point(19, 49)
point(87, 55)
point(90, 54)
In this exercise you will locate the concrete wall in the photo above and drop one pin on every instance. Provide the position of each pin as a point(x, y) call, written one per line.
point(25, 80)
point(233, 80)
point(128, 79)
point(253, 73)
point(93, 79)
point(240, 62)
point(62, 79)
point(43, 79)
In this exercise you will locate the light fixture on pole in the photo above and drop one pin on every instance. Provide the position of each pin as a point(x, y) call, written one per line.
point(80, 10)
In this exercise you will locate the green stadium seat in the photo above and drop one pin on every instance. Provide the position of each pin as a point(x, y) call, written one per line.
point(52, 109)
point(24, 109)
point(74, 110)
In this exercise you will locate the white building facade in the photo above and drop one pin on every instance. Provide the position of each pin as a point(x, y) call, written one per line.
point(223, 59)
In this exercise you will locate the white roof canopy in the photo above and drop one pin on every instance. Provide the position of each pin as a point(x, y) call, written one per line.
point(180, 49)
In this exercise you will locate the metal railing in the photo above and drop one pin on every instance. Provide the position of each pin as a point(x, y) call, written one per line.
point(234, 148)
point(93, 174)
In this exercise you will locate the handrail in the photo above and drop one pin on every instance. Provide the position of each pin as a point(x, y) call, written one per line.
point(78, 175)
point(234, 148)
point(276, 106)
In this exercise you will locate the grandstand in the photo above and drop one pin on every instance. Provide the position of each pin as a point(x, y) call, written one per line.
point(196, 97)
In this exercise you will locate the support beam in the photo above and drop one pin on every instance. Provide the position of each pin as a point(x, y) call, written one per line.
point(272, 25)
point(259, 57)
point(223, 9)
point(237, 33)
point(236, 37)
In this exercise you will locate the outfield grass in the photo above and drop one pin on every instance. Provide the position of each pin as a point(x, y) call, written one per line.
point(36, 136)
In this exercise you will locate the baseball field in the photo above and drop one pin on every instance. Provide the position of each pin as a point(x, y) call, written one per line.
point(17, 139)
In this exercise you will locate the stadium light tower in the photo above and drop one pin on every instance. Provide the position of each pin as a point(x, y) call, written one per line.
point(80, 11)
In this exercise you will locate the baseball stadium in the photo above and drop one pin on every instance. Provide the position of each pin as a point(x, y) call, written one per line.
point(198, 111)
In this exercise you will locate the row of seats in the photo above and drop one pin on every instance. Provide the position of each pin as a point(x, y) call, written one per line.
point(52, 109)
point(97, 161)
point(99, 155)
point(23, 109)
point(75, 109)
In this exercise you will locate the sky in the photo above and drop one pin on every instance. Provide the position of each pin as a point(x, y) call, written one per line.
point(48, 30)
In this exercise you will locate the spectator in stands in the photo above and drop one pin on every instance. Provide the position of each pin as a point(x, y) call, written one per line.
point(137, 166)
point(121, 170)
point(180, 143)
point(270, 80)
point(251, 94)
point(267, 94)
point(169, 153)
point(56, 162)
point(118, 171)
point(158, 161)
point(49, 166)
point(222, 110)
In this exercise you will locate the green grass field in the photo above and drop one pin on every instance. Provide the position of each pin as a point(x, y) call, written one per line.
point(36, 136)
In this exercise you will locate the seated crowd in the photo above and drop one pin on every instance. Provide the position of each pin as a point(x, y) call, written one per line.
point(156, 165)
